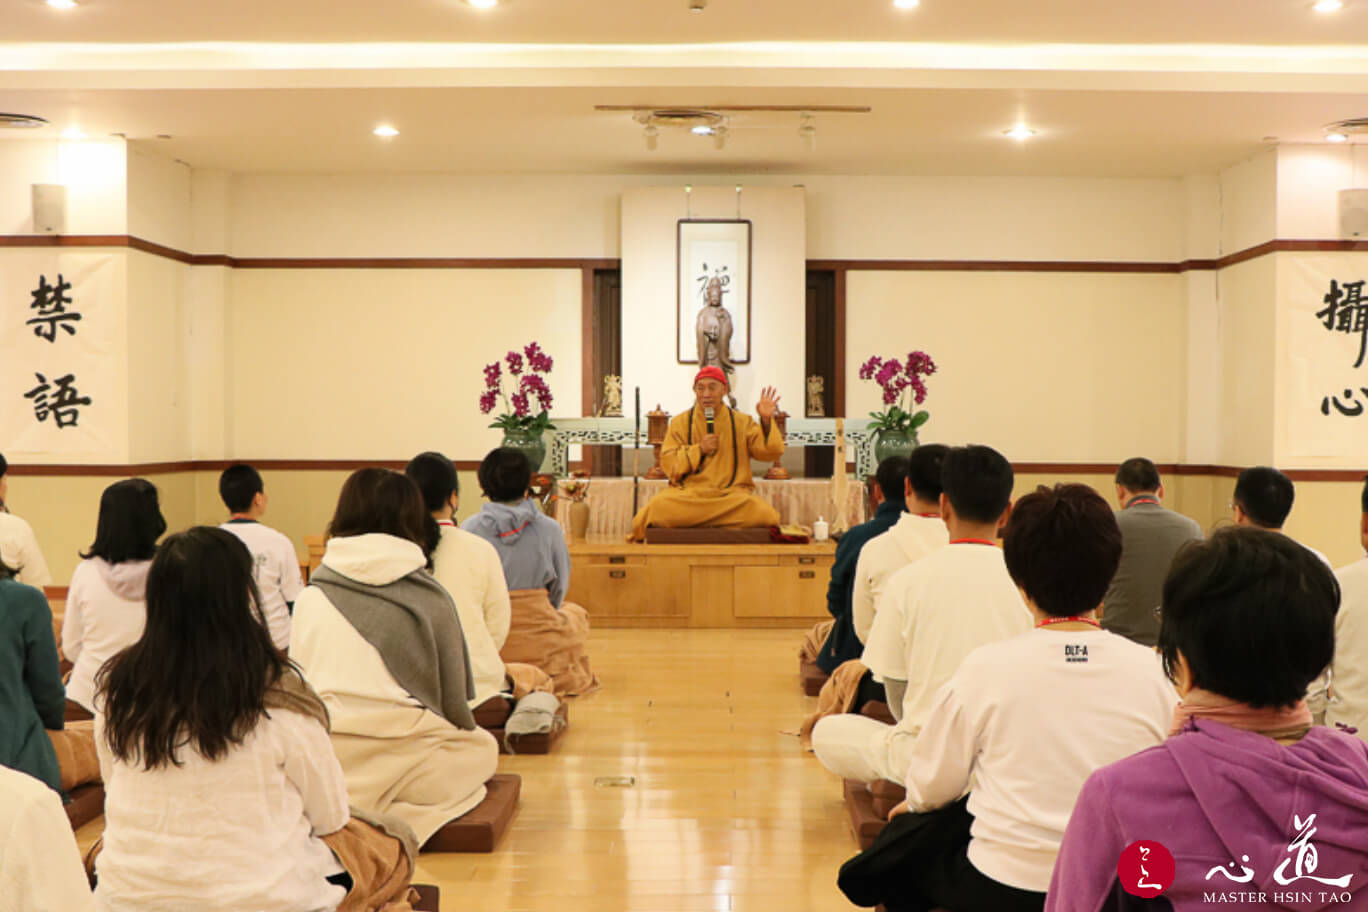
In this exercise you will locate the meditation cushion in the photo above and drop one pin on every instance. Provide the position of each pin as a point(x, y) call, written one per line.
point(878, 711)
point(887, 796)
point(811, 677)
point(492, 713)
point(758, 535)
point(87, 803)
point(481, 829)
point(539, 743)
point(429, 898)
point(865, 822)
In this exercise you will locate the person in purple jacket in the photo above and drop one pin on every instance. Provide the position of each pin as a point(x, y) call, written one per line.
point(1246, 805)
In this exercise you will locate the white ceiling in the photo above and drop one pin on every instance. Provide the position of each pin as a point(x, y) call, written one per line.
point(1269, 22)
point(1153, 88)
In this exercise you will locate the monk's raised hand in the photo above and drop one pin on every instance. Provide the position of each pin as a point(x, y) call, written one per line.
point(769, 402)
point(708, 445)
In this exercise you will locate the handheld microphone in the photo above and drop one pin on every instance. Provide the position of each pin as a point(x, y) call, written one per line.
point(709, 415)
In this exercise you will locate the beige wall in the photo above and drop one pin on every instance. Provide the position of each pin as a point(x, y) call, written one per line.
point(1044, 367)
point(382, 364)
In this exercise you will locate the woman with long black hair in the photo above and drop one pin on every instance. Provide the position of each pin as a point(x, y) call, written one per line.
point(223, 791)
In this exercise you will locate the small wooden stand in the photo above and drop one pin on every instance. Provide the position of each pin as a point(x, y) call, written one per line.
point(777, 472)
point(657, 425)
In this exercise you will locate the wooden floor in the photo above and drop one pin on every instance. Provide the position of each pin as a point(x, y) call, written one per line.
point(727, 813)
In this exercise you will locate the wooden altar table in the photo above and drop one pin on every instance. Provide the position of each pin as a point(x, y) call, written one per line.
point(799, 502)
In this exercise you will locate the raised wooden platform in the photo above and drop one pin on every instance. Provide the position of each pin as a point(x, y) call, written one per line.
point(725, 585)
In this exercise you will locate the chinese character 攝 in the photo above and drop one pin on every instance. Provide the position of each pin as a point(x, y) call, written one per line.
point(62, 403)
point(50, 301)
point(1346, 311)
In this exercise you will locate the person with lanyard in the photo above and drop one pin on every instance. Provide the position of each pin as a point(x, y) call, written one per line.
point(1150, 537)
point(1249, 799)
point(707, 455)
point(1019, 727)
point(934, 613)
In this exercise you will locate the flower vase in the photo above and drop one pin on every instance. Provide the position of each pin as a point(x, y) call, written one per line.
point(530, 443)
point(579, 521)
point(893, 443)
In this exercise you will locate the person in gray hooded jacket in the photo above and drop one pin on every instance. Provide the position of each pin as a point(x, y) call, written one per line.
point(545, 630)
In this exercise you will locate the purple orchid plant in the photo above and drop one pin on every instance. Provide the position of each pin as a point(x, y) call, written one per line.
point(900, 381)
point(526, 373)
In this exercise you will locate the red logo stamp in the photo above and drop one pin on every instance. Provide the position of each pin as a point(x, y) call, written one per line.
point(1145, 868)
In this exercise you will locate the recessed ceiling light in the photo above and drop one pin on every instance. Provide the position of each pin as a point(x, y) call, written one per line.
point(483, 4)
point(73, 133)
point(1336, 137)
point(1327, 6)
point(62, 4)
point(386, 131)
point(907, 4)
point(701, 131)
point(1020, 131)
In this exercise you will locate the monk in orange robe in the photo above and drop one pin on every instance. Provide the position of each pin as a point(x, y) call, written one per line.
point(710, 472)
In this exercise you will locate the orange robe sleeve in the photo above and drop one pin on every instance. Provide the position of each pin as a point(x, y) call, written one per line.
point(677, 457)
point(762, 447)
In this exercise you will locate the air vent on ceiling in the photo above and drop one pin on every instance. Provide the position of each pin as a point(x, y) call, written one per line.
point(20, 121)
point(1348, 127)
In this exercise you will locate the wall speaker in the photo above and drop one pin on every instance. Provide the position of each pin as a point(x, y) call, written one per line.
point(1353, 213)
point(49, 208)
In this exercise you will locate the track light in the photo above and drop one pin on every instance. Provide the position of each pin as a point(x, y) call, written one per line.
point(719, 137)
point(807, 132)
point(652, 137)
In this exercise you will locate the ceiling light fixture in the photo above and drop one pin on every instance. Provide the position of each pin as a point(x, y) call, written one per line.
point(73, 133)
point(21, 121)
point(385, 131)
point(702, 130)
point(652, 137)
point(483, 4)
point(1336, 137)
point(62, 4)
point(906, 4)
point(697, 6)
point(1327, 6)
point(719, 138)
point(1020, 132)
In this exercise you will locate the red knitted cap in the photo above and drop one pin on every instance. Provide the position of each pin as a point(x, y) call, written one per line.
point(712, 373)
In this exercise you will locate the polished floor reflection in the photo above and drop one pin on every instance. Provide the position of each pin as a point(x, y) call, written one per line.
point(727, 813)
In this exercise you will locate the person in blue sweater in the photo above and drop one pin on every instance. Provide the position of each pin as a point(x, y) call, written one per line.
point(842, 644)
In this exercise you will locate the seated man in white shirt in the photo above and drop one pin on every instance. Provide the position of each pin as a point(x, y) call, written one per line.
point(1349, 708)
point(18, 545)
point(1023, 722)
point(274, 560)
point(1263, 500)
point(917, 533)
point(933, 614)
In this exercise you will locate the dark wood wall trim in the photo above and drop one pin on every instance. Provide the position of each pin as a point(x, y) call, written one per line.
point(839, 266)
point(589, 370)
point(839, 381)
point(350, 465)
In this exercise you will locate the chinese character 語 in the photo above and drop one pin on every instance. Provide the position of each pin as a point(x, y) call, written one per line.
point(1346, 311)
point(60, 399)
point(50, 301)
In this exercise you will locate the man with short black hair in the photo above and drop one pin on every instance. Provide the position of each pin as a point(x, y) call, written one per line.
point(275, 563)
point(918, 531)
point(1151, 536)
point(934, 613)
point(1350, 669)
point(18, 545)
point(843, 643)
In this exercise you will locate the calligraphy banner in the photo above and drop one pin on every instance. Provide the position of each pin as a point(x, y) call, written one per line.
point(59, 352)
point(1325, 330)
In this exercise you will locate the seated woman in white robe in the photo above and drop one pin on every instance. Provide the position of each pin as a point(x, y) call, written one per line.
point(381, 642)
